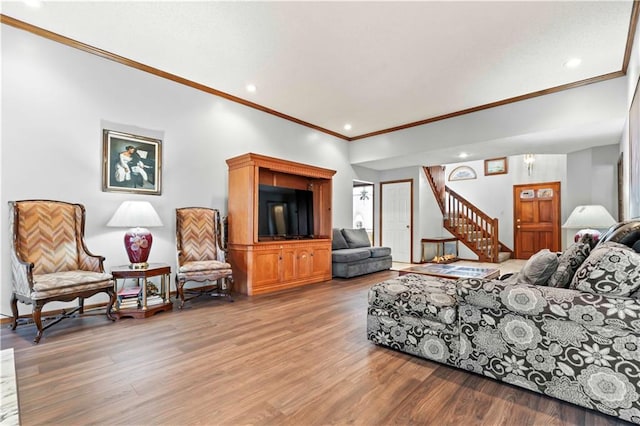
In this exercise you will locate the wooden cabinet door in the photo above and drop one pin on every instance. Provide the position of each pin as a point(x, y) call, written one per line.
point(304, 257)
point(321, 261)
point(268, 265)
point(289, 264)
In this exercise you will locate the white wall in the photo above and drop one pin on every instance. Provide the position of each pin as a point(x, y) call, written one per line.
point(586, 177)
point(413, 174)
point(494, 194)
point(55, 100)
point(594, 114)
point(633, 73)
point(593, 176)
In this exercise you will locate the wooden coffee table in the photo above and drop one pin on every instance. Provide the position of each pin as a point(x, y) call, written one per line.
point(452, 271)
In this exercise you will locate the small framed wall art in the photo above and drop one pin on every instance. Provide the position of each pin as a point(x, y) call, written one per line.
point(496, 166)
point(462, 173)
point(131, 163)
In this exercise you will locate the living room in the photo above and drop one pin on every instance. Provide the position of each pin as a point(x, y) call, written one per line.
point(57, 100)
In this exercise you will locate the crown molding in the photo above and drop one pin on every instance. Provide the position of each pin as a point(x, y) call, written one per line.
point(633, 21)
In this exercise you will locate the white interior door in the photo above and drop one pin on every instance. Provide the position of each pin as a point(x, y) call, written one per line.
point(395, 216)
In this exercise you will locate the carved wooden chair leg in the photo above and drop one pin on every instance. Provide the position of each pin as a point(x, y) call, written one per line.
point(14, 310)
point(226, 288)
point(37, 319)
point(180, 291)
point(112, 301)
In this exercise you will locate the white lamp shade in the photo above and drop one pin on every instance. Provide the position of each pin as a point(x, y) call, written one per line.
point(591, 216)
point(135, 213)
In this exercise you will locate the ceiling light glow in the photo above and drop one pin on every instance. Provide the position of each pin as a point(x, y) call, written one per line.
point(463, 155)
point(32, 3)
point(572, 63)
point(251, 88)
point(347, 126)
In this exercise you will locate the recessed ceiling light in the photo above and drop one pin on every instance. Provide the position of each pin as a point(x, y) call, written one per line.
point(251, 88)
point(572, 63)
point(347, 126)
point(463, 155)
point(32, 3)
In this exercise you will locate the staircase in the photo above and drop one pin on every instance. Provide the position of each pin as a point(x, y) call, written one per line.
point(474, 228)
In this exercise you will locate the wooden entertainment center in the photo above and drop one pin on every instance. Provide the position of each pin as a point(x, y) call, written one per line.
point(263, 264)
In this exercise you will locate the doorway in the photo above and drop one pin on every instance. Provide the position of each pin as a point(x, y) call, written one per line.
point(363, 207)
point(396, 218)
point(536, 218)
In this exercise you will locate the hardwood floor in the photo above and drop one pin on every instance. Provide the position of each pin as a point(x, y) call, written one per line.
point(300, 357)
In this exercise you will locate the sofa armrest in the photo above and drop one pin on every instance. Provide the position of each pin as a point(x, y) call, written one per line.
point(588, 309)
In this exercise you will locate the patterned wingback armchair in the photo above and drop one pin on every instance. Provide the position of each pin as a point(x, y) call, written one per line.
point(50, 261)
point(199, 250)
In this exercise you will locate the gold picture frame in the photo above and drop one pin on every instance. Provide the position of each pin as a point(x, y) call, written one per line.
point(131, 163)
point(496, 166)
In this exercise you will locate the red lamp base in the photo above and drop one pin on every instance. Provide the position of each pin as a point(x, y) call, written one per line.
point(595, 234)
point(137, 243)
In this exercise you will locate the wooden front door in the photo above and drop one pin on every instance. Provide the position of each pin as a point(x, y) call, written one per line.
point(536, 221)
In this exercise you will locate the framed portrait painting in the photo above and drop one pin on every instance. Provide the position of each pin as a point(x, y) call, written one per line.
point(131, 163)
point(495, 166)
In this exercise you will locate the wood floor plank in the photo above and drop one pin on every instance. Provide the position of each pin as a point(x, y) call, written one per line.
point(298, 357)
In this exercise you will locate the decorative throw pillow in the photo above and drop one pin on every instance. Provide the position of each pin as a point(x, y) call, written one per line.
point(356, 237)
point(338, 242)
point(611, 268)
point(568, 263)
point(538, 268)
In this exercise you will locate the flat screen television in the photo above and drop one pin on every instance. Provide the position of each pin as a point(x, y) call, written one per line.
point(284, 213)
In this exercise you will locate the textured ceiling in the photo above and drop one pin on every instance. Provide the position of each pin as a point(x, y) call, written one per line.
point(375, 65)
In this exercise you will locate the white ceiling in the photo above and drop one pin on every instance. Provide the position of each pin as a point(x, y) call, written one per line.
point(375, 65)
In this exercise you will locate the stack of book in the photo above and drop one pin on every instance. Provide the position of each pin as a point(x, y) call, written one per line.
point(128, 298)
point(154, 300)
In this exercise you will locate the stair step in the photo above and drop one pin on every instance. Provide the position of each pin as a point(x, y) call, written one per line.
point(503, 256)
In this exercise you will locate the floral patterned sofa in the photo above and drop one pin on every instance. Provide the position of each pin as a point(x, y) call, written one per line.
point(570, 329)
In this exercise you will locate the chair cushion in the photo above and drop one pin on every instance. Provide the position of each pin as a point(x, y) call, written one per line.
point(68, 282)
point(380, 251)
point(350, 255)
point(203, 265)
point(208, 275)
point(568, 263)
point(68, 279)
point(538, 268)
point(356, 237)
point(338, 242)
point(611, 268)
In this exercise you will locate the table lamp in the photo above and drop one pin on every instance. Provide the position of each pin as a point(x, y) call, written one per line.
point(137, 241)
point(589, 220)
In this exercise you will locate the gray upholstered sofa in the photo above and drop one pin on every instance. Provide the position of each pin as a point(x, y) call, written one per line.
point(353, 255)
point(573, 335)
